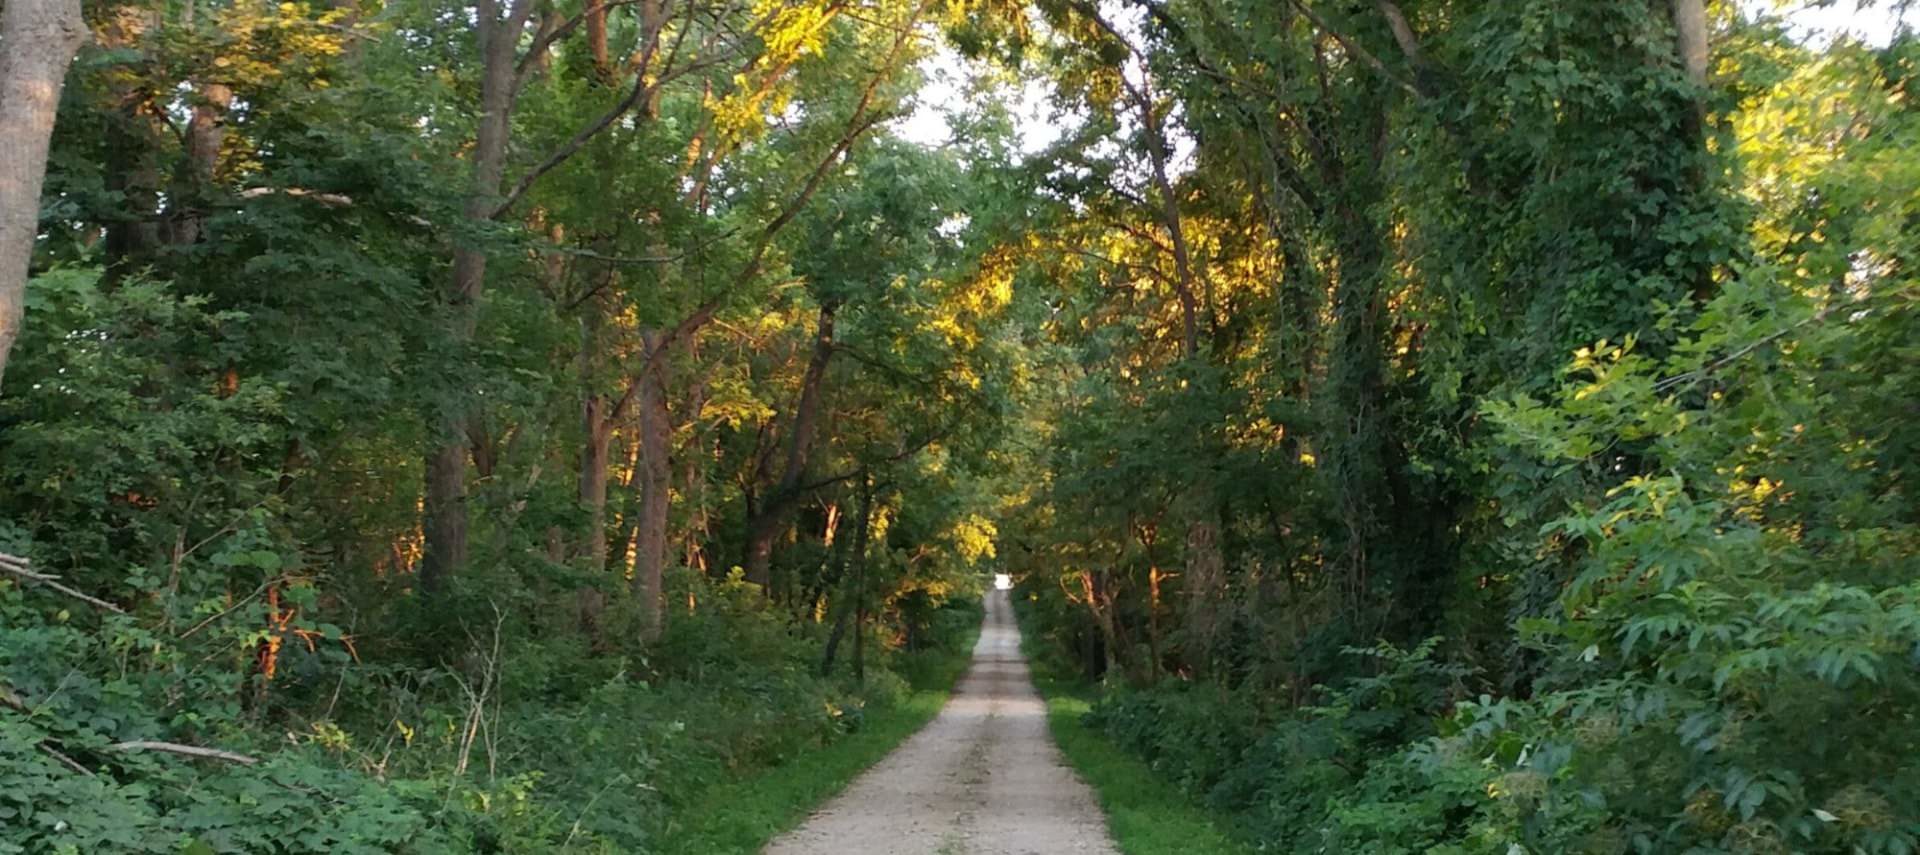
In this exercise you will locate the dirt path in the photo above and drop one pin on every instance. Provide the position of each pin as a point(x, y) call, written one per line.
point(984, 778)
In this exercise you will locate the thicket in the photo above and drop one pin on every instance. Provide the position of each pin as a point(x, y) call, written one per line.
point(1542, 477)
point(533, 744)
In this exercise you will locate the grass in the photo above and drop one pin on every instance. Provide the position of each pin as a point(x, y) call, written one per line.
point(1146, 814)
point(741, 816)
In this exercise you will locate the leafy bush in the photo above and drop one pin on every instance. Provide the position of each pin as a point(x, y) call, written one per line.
point(605, 770)
point(1735, 665)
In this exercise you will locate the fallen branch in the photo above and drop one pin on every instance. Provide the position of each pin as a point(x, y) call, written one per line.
point(186, 751)
point(22, 569)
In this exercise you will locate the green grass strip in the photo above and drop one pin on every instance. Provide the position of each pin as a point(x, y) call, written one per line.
point(741, 816)
point(1146, 814)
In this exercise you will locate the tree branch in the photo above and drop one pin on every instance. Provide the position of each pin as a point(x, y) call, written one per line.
point(1710, 368)
point(578, 141)
point(19, 568)
point(186, 751)
point(1356, 50)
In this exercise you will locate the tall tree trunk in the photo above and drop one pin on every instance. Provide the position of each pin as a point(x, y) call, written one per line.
point(206, 132)
point(1356, 383)
point(1096, 590)
point(446, 480)
point(693, 480)
point(855, 589)
point(597, 39)
point(37, 41)
point(1690, 31)
point(131, 141)
point(597, 421)
point(595, 458)
point(1205, 581)
point(1204, 561)
point(764, 526)
point(655, 479)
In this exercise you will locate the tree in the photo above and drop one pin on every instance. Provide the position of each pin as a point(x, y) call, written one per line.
point(37, 41)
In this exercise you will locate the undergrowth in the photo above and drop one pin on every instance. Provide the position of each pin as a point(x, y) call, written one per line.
point(711, 740)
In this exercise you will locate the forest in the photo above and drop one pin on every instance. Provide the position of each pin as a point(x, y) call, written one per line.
point(1452, 426)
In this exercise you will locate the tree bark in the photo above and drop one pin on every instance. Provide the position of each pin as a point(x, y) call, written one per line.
point(37, 42)
point(1176, 231)
point(594, 460)
point(1205, 581)
point(446, 480)
point(1690, 31)
point(1357, 391)
point(855, 587)
point(131, 139)
point(597, 421)
point(1095, 589)
point(654, 476)
point(764, 525)
point(693, 479)
point(206, 133)
point(597, 39)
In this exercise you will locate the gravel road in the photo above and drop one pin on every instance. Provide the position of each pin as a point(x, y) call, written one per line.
point(984, 778)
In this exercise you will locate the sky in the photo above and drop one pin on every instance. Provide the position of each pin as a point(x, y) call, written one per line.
point(947, 72)
point(1874, 24)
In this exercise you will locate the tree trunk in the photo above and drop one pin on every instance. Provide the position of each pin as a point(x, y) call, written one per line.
point(131, 140)
point(206, 133)
point(1204, 583)
point(1356, 383)
point(1154, 577)
point(1203, 553)
point(37, 41)
point(596, 425)
point(764, 526)
point(594, 460)
point(1690, 30)
point(693, 480)
point(860, 626)
point(855, 588)
point(1176, 231)
point(1094, 588)
point(446, 488)
point(654, 476)
point(762, 529)
point(597, 39)
point(445, 529)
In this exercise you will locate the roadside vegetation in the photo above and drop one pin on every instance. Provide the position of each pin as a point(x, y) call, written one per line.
point(1524, 460)
point(1457, 426)
point(1147, 813)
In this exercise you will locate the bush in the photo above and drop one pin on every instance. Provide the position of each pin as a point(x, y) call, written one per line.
point(414, 763)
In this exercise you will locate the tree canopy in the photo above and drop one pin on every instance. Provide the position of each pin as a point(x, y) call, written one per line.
point(1439, 425)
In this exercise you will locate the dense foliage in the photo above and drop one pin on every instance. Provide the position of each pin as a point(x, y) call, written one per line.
point(1436, 425)
point(1541, 477)
point(693, 297)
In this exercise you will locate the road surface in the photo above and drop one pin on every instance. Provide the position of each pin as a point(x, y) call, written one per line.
point(984, 778)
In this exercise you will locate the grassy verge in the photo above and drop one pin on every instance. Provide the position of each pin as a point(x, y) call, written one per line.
point(741, 816)
point(1147, 815)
